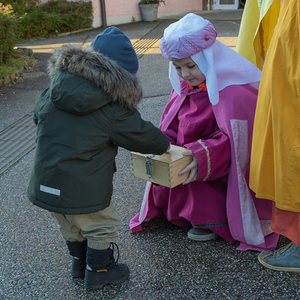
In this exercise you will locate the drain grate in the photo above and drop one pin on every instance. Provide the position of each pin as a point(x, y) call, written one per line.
point(16, 141)
point(19, 138)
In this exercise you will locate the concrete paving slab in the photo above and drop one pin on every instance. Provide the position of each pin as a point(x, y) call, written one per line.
point(164, 263)
point(153, 74)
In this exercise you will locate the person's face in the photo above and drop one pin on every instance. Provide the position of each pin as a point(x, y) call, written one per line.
point(189, 71)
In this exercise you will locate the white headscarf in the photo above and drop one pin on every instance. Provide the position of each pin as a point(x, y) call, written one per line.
point(194, 37)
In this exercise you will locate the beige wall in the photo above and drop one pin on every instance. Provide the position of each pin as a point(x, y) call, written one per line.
point(124, 11)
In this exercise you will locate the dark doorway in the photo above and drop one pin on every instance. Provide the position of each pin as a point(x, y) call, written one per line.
point(242, 3)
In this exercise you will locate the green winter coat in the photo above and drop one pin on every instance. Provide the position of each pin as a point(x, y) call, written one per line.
point(82, 118)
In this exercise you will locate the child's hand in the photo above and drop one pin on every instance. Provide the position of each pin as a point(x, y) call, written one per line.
point(168, 148)
point(193, 167)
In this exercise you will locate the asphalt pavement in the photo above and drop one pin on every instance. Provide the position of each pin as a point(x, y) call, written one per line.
point(164, 263)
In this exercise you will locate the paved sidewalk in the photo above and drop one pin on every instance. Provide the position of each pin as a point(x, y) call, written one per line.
point(164, 264)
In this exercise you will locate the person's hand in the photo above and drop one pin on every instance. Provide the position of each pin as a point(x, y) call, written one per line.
point(169, 148)
point(192, 168)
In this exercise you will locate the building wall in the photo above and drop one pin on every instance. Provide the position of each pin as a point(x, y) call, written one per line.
point(126, 11)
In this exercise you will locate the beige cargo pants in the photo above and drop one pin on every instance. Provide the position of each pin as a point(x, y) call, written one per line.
point(98, 228)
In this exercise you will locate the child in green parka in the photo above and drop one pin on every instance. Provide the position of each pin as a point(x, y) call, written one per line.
point(86, 113)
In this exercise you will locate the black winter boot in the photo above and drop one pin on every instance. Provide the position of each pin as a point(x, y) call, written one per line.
point(78, 251)
point(102, 268)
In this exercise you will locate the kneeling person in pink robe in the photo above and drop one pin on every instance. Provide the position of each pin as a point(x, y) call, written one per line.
point(210, 112)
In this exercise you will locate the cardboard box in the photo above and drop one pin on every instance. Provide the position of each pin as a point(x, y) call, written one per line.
point(161, 169)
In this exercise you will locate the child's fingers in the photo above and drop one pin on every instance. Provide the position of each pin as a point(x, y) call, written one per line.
point(188, 152)
point(192, 165)
point(192, 177)
point(185, 170)
point(192, 168)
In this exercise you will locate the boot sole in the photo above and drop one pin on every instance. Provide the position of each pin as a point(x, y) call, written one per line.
point(202, 238)
point(99, 285)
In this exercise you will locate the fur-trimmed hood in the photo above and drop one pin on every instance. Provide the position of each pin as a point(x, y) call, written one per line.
point(78, 74)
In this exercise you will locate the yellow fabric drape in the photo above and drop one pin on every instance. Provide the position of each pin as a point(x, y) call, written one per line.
point(256, 30)
point(275, 158)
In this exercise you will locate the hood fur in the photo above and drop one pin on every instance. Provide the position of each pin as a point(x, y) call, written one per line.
point(123, 87)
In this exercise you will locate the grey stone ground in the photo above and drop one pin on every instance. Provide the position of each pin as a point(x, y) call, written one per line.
point(164, 264)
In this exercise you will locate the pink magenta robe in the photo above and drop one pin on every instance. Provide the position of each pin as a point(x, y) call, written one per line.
point(219, 200)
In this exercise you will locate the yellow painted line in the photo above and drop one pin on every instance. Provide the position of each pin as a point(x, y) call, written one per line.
point(48, 48)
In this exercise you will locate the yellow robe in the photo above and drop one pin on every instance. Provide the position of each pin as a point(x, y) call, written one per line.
point(257, 27)
point(275, 158)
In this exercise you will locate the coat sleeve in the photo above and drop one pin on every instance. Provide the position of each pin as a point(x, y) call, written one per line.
point(38, 104)
point(130, 131)
point(36, 111)
point(213, 156)
point(35, 117)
